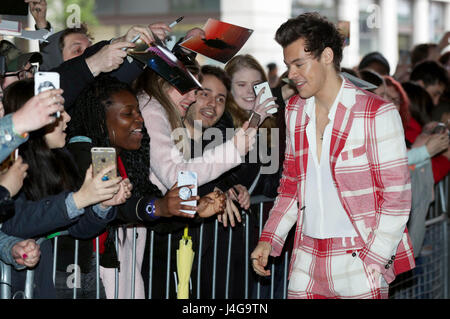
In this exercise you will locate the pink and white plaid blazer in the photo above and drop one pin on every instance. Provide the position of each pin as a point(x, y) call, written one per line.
point(369, 166)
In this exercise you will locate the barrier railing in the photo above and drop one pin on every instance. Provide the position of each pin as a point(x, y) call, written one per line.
point(428, 280)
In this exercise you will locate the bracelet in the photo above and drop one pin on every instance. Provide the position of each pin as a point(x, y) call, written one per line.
point(151, 209)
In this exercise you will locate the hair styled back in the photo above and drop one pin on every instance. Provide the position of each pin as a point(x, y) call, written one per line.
point(317, 32)
point(50, 171)
point(68, 31)
point(238, 114)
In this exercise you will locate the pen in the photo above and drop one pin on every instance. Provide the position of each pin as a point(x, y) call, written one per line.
point(136, 37)
point(176, 22)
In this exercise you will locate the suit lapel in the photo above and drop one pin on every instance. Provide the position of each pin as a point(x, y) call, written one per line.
point(342, 123)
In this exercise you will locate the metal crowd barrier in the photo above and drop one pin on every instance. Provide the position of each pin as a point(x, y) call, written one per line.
point(428, 280)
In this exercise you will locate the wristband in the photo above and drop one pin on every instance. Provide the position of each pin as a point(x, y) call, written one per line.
point(151, 209)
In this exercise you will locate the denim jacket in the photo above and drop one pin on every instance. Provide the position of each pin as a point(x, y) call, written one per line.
point(9, 140)
point(6, 244)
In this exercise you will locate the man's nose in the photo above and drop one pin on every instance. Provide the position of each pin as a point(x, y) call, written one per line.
point(292, 74)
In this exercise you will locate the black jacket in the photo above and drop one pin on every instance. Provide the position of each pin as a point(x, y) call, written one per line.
point(34, 219)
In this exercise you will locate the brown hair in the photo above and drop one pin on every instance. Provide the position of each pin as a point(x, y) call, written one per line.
point(81, 30)
point(318, 33)
point(238, 114)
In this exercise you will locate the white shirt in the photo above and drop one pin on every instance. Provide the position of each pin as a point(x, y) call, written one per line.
point(324, 215)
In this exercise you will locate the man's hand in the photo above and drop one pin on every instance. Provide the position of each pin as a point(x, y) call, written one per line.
point(231, 211)
point(26, 253)
point(259, 258)
point(109, 58)
point(240, 194)
point(145, 32)
point(38, 9)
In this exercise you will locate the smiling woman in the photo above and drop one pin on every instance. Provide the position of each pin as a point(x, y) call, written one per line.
point(107, 115)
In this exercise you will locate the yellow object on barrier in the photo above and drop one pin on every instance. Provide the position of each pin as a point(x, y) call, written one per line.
point(185, 259)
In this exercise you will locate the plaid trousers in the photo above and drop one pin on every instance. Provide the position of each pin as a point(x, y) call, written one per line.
point(331, 268)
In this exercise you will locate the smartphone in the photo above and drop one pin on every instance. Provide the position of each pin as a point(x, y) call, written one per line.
point(101, 158)
point(254, 120)
point(266, 95)
point(440, 128)
point(186, 178)
point(44, 81)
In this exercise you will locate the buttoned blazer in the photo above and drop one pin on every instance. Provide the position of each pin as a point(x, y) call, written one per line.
point(369, 166)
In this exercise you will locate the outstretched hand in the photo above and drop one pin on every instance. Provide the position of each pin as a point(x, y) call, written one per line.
point(211, 204)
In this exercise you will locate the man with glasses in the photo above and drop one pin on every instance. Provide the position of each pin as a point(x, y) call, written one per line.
point(18, 64)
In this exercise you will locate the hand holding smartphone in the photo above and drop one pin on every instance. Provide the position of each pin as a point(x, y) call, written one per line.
point(267, 94)
point(186, 178)
point(44, 81)
point(103, 157)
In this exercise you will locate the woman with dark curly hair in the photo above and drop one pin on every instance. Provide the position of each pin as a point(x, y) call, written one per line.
point(107, 115)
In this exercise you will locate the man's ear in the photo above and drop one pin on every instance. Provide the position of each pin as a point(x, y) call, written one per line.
point(327, 56)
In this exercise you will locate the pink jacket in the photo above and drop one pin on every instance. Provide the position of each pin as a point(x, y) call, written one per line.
point(165, 158)
point(369, 166)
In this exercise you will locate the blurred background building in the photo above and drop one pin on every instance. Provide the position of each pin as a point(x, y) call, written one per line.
point(389, 26)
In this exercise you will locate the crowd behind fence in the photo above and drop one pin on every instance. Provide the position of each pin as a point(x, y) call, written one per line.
point(428, 280)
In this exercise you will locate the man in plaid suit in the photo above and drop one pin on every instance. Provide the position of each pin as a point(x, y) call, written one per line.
point(345, 183)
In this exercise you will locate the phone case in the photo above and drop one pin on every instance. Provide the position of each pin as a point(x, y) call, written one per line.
point(266, 95)
point(103, 157)
point(188, 178)
point(254, 120)
point(44, 81)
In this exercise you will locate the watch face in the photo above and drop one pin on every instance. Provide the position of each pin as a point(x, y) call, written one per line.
point(185, 193)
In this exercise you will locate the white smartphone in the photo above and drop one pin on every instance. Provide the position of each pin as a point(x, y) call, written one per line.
point(186, 178)
point(266, 95)
point(44, 81)
point(103, 157)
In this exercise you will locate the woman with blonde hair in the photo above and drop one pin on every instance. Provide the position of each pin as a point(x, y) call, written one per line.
point(245, 72)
